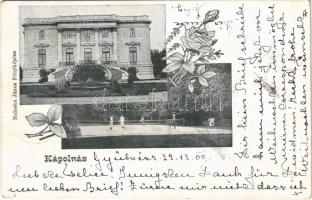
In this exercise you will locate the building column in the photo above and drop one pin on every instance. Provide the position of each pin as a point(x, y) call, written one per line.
point(78, 46)
point(115, 47)
point(96, 45)
point(59, 46)
point(149, 44)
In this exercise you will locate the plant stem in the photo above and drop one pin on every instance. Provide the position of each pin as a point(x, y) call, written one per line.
point(187, 79)
point(179, 72)
point(187, 56)
point(200, 56)
point(172, 82)
point(43, 131)
point(46, 137)
point(37, 134)
point(183, 74)
point(182, 47)
point(190, 57)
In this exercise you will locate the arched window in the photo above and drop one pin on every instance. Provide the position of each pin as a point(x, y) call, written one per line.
point(41, 35)
point(132, 32)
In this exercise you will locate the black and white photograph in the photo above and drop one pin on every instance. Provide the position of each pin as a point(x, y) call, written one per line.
point(69, 54)
point(199, 119)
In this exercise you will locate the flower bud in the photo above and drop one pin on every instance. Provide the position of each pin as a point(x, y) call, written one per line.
point(211, 16)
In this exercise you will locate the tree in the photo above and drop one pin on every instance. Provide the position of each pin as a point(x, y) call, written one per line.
point(44, 75)
point(132, 72)
point(158, 62)
point(20, 73)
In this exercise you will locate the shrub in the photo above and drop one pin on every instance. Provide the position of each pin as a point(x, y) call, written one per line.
point(115, 86)
point(88, 72)
point(44, 75)
point(20, 73)
point(158, 63)
point(146, 88)
point(61, 85)
point(132, 71)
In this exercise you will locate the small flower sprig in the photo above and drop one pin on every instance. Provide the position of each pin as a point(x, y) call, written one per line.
point(39, 120)
point(197, 47)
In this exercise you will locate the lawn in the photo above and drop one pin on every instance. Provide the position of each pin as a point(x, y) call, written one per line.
point(79, 90)
point(149, 141)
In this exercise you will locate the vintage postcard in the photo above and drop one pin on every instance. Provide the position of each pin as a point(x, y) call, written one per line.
point(155, 99)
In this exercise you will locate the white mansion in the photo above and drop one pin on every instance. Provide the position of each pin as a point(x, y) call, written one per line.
point(63, 41)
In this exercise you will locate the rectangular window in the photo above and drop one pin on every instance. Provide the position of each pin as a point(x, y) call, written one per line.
point(41, 35)
point(87, 34)
point(105, 55)
point(42, 58)
point(69, 56)
point(88, 55)
point(105, 33)
point(132, 32)
point(133, 55)
point(69, 34)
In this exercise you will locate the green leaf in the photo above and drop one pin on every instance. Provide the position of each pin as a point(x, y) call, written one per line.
point(175, 57)
point(58, 130)
point(54, 113)
point(189, 66)
point(213, 57)
point(201, 69)
point(191, 87)
point(37, 119)
point(203, 60)
point(208, 74)
point(214, 42)
point(203, 81)
point(172, 66)
point(206, 49)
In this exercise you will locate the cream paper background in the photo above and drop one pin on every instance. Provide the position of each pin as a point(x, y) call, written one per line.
point(16, 149)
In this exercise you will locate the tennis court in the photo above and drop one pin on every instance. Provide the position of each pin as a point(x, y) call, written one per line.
point(146, 127)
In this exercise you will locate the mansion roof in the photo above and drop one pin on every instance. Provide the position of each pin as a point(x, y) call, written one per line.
point(86, 18)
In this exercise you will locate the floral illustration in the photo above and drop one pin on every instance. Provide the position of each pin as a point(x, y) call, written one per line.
point(197, 44)
point(39, 120)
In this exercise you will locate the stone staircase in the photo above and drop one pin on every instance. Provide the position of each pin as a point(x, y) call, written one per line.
point(145, 73)
point(58, 75)
point(112, 73)
point(118, 74)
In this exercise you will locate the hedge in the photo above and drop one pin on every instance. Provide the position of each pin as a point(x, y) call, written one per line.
point(88, 72)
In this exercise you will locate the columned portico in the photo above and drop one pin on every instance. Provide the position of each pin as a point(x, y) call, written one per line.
point(96, 45)
point(59, 46)
point(64, 41)
point(115, 47)
point(78, 45)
